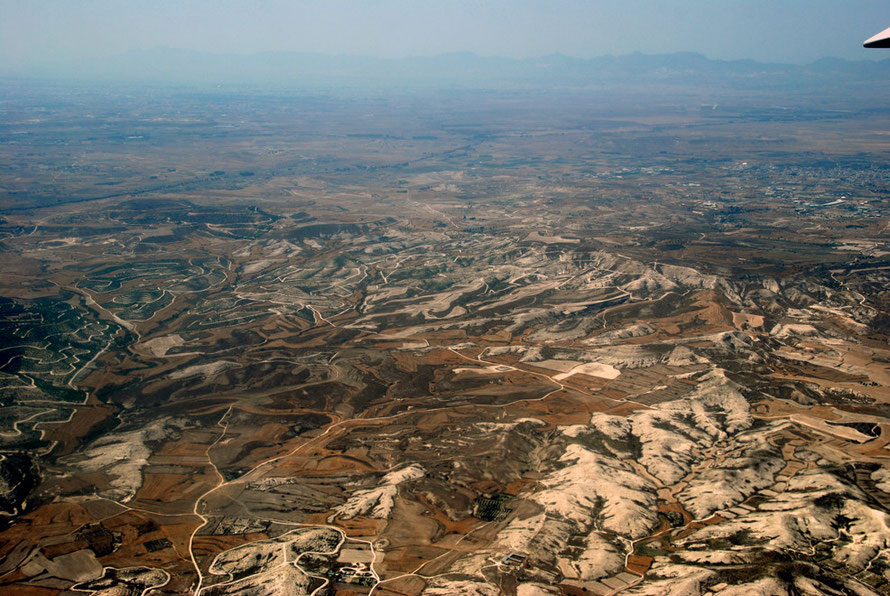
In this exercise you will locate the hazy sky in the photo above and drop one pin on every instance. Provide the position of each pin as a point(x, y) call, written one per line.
point(768, 30)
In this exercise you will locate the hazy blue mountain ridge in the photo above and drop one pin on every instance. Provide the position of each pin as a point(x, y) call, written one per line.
point(462, 69)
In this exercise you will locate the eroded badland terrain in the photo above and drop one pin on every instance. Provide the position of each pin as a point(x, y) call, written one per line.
point(558, 342)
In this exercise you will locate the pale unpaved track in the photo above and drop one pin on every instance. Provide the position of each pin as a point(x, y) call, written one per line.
point(225, 427)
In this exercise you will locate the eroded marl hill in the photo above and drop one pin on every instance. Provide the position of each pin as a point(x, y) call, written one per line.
point(479, 346)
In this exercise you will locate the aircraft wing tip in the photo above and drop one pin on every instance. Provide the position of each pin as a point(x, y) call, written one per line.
point(881, 40)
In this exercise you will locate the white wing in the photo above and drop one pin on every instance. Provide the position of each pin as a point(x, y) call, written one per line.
point(881, 40)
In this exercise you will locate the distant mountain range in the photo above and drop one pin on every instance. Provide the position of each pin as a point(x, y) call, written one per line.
point(463, 69)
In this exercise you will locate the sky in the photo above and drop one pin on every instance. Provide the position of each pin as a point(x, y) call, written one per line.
point(795, 31)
